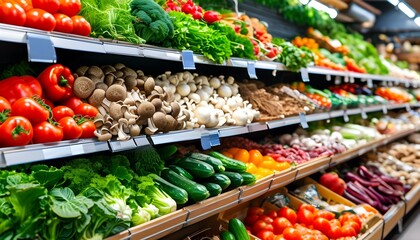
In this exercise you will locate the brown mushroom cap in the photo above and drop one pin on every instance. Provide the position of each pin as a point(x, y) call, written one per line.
point(172, 123)
point(101, 85)
point(95, 71)
point(130, 82)
point(83, 87)
point(160, 121)
point(80, 71)
point(119, 66)
point(146, 110)
point(96, 98)
point(109, 79)
point(149, 85)
point(128, 72)
point(176, 109)
point(116, 93)
point(134, 130)
point(108, 69)
point(115, 111)
point(157, 103)
point(118, 74)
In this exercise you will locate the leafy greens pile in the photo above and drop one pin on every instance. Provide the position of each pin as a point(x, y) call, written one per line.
point(110, 19)
point(84, 199)
point(292, 57)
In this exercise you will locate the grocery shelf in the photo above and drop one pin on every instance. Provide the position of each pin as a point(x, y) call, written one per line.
point(412, 198)
point(209, 137)
point(189, 215)
point(16, 34)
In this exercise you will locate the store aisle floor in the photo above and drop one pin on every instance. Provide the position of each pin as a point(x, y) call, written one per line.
point(411, 225)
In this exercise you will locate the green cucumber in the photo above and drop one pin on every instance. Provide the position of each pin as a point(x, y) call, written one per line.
point(197, 168)
point(213, 188)
point(222, 180)
point(176, 193)
point(226, 235)
point(166, 152)
point(236, 179)
point(196, 192)
point(248, 178)
point(214, 162)
point(237, 228)
point(229, 163)
point(181, 171)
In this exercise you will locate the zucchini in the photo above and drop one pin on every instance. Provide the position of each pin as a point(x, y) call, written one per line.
point(236, 179)
point(181, 171)
point(213, 188)
point(229, 163)
point(222, 180)
point(214, 162)
point(226, 235)
point(197, 168)
point(166, 152)
point(237, 228)
point(176, 193)
point(196, 192)
point(248, 178)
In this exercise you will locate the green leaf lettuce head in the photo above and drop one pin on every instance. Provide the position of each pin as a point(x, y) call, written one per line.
point(151, 22)
point(110, 19)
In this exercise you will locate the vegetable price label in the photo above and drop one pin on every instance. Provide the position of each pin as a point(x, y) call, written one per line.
point(408, 107)
point(210, 139)
point(303, 121)
point(363, 113)
point(251, 70)
point(40, 48)
point(345, 115)
point(304, 74)
point(328, 77)
point(369, 83)
point(384, 109)
point(407, 84)
point(188, 60)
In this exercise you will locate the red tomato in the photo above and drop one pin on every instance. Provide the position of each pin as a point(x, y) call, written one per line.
point(46, 132)
point(86, 110)
point(63, 23)
point(292, 234)
point(80, 26)
point(307, 206)
point(4, 109)
point(88, 128)
point(279, 237)
point(31, 110)
point(288, 213)
point(12, 13)
point(322, 225)
point(265, 235)
point(335, 222)
point(266, 218)
point(272, 214)
point(354, 225)
point(40, 19)
point(348, 231)
point(15, 131)
point(335, 232)
point(49, 103)
point(70, 128)
point(261, 225)
point(255, 211)
point(50, 6)
point(325, 214)
point(25, 4)
point(346, 217)
point(72, 102)
point(251, 219)
point(305, 216)
point(62, 111)
point(279, 224)
point(70, 7)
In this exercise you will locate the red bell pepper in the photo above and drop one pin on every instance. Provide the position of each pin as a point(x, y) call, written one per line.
point(57, 82)
point(16, 87)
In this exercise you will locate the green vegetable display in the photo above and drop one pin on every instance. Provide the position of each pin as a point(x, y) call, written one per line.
point(198, 37)
point(294, 58)
point(151, 23)
point(110, 19)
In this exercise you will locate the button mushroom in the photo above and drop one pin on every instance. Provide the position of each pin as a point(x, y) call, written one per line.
point(116, 93)
point(83, 87)
point(97, 97)
point(146, 110)
point(103, 134)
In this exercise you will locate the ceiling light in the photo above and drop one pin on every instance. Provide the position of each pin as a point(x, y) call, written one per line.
point(406, 9)
point(394, 2)
point(417, 21)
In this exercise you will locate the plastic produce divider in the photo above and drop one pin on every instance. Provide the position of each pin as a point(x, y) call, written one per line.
point(118, 146)
point(40, 48)
point(187, 58)
point(283, 178)
point(134, 51)
point(251, 70)
point(260, 187)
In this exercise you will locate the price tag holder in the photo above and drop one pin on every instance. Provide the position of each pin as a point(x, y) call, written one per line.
point(407, 107)
point(210, 139)
point(406, 84)
point(303, 121)
point(369, 83)
point(345, 116)
point(346, 78)
point(363, 113)
point(351, 79)
point(40, 48)
point(188, 60)
point(304, 74)
point(118, 146)
point(328, 77)
point(337, 80)
point(252, 73)
point(384, 109)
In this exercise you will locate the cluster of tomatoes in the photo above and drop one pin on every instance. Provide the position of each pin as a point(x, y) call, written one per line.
point(257, 164)
point(189, 7)
point(308, 223)
point(48, 15)
point(28, 114)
